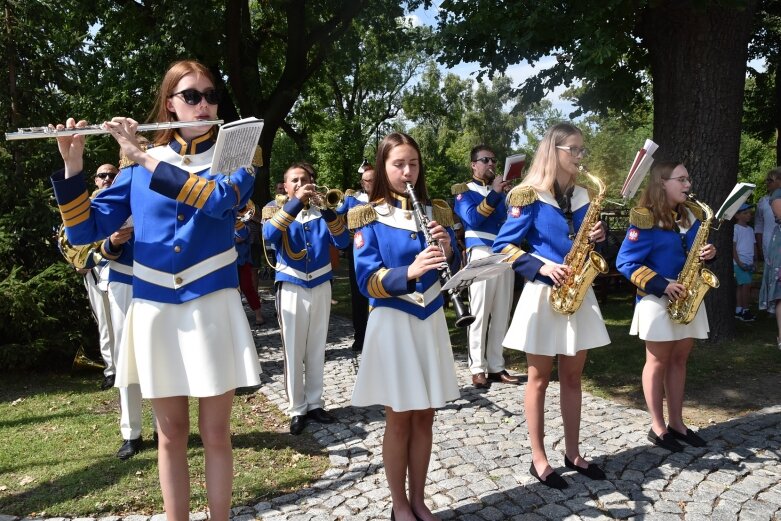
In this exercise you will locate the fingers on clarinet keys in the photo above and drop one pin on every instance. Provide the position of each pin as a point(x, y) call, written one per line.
point(553, 480)
point(690, 437)
point(592, 471)
point(665, 441)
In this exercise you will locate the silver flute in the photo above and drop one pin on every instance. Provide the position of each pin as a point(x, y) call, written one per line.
point(48, 132)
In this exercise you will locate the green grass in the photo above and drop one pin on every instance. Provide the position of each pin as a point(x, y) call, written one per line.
point(59, 436)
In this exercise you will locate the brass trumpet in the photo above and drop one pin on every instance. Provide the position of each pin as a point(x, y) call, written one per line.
point(325, 198)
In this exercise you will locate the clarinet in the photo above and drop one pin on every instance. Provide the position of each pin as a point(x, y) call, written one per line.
point(463, 318)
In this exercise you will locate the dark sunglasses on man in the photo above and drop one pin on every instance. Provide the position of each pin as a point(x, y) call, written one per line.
point(486, 160)
point(194, 96)
point(103, 175)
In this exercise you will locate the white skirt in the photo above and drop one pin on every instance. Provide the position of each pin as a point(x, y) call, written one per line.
point(407, 363)
point(537, 329)
point(652, 322)
point(200, 348)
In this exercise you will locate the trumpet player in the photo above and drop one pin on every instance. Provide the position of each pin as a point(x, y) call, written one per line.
point(480, 204)
point(302, 234)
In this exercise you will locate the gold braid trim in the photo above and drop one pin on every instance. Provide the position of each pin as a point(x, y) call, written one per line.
point(458, 188)
point(641, 217)
point(521, 196)
point(280, 199)
point(359, 216)
point(268, 212)
point(441, 212)
point(695, 209)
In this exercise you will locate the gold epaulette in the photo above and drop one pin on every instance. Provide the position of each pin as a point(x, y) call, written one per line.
point(349, 192)
point(695, 209)
point(361, 215)
point(521, 195)
point(459, 188)
point(257, 159)
point(441, 212)
point(268, 212)
point(280, 199)
point(641, 217)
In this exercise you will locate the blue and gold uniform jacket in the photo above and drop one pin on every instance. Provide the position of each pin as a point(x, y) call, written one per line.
point(482, 212)
point(536, 218)
point(650, 256)
point(243, 246)
point(301, 236)
point(183, 216)
point(386, 242)
point(351, 200)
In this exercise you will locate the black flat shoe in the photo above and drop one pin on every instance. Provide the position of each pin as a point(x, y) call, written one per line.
point(297, 424)
point(553, 480)
point(665, 441)
point(691, 437)
point(592, 471)
point(320, 415)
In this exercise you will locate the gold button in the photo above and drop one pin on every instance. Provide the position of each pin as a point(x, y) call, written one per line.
point(413, 235)
point(177, 248)
point(407, 215)
point(419, 298)
point(180, 217)
point(186, 160)
point(178, 280)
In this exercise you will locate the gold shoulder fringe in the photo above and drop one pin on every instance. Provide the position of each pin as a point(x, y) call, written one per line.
point(641, 217)
point(125, 161)
point(280, 199)
point(268, 212)
point(458, 188)
point(349, 192)
point(441, 212)
point(257, 158)
point(695, 209)
point(361, 215)
point(521, 196)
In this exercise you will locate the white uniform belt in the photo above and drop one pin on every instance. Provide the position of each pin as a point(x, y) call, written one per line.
point(423, 299)
point(121, 268)
point(287, 270)
point(474, 234)
point(187, 276)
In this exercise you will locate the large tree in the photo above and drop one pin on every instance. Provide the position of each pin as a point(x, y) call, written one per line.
point(693, 52)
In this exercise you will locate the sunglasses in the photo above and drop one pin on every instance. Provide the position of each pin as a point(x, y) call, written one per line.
point(194, 97)
point(486, 160)
point(103, 175)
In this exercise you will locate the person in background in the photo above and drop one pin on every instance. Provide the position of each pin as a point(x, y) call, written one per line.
point(743, 249)
point(302, 234)
point(662, 231)
point(764, 224)
point(244, 262)
point(770, 289)
point(480, 204)
point(407, 362)
point(186, 333)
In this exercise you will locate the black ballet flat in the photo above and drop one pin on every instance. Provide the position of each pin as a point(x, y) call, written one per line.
point(592, 471)
point(553, 480)
point(690, 437)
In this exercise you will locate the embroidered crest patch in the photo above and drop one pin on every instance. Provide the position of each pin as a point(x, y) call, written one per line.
point(633, 235)
point(515, 211)
point(358, 240)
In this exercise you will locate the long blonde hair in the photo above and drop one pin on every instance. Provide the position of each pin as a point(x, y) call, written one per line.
point(655, 199)
point(542, 172)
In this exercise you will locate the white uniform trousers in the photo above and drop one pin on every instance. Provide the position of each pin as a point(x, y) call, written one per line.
point(303, 319)
point(120, 295)
point(489, 301)
point(98, 300)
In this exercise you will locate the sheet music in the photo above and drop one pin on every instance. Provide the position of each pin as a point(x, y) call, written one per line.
point(235, 145)
point(479, 269)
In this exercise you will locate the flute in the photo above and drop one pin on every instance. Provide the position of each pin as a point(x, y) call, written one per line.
point(48, 132)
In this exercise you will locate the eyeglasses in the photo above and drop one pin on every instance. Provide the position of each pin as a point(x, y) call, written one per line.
point(574, 151)
point(486, 160)
point(194, 96)
point(682, 179)
point(103, 175)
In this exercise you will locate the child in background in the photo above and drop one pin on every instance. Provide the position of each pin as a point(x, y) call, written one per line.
point(743, 246)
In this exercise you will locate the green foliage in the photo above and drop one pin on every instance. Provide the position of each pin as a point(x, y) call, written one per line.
point(757, 158)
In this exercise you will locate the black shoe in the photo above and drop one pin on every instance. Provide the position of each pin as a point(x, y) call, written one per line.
point(553, 480)
point(130, 448)
point(665, 441)
point(592, 471)
point(505, 378)
point(320, 415)
point(357, 346)
point(108, 382)
point(691, 437)
point(297, 424)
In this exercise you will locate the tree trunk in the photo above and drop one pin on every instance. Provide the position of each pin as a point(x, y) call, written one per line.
point(698, 63)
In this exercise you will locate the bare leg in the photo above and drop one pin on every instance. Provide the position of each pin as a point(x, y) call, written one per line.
point(214, 425)
point(173, 429)
point(675, 382)
point(570, 371)
point(657, 356)
point(419, 455)
point(778, 322)
point(534, 402)
point(395, 455)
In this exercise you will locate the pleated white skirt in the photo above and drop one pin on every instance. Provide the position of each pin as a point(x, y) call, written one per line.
point(651, 322)
point(200, 348)
point(537, 329)
point(407, 363)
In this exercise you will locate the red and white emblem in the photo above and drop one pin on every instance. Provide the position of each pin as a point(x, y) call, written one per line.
point(634, 235)
point(515, 211)
point(358, 240)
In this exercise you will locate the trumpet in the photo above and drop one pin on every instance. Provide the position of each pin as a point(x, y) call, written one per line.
point(325, 198)
point(49, 132)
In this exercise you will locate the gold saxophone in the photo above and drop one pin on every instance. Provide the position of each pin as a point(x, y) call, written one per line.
point(693, 276)
point(584, 262)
